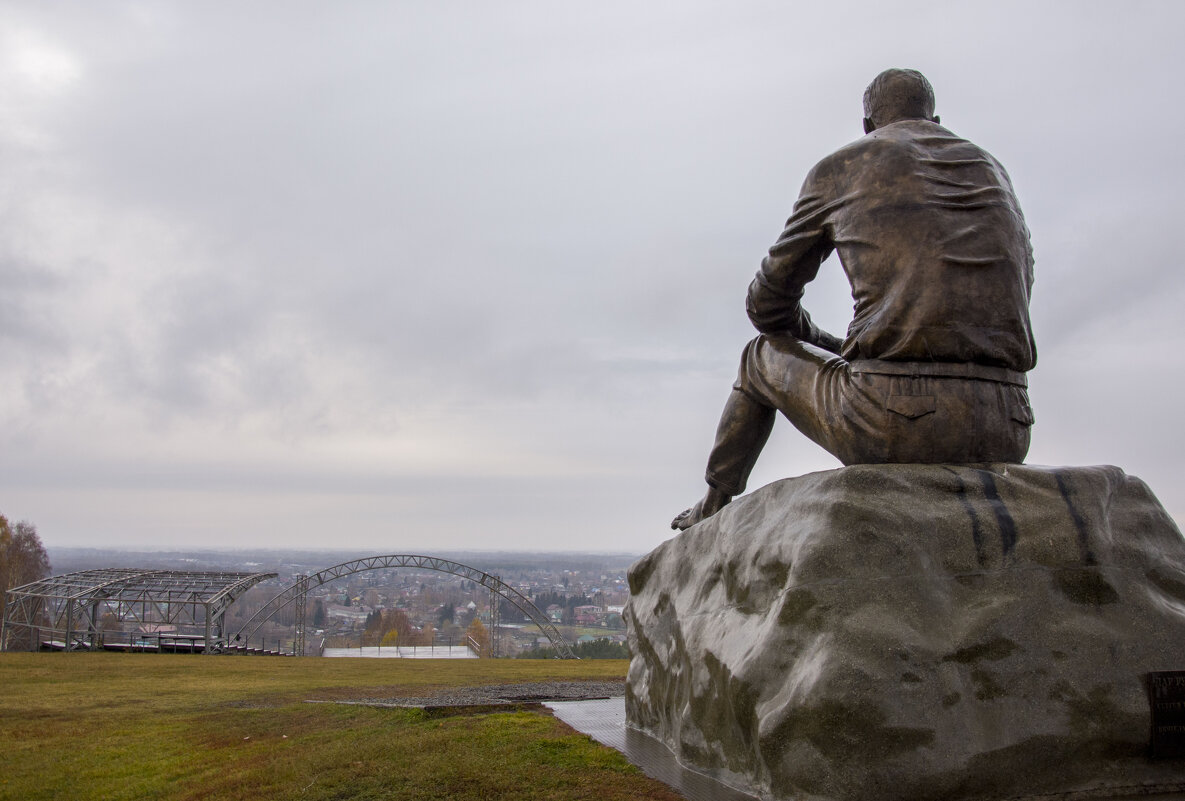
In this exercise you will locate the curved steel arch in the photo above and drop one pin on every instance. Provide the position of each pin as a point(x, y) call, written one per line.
point(303, 585)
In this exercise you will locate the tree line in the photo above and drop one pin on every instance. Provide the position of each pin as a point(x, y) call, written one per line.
point(568, 602)
point(597, 649)
point(22, 556)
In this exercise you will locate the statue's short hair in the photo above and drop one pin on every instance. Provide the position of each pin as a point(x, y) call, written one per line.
point(898, 94)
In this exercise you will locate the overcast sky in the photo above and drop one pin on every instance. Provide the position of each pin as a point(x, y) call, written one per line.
point(409, 276)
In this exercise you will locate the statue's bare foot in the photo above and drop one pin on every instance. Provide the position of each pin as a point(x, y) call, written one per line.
point(709, 505)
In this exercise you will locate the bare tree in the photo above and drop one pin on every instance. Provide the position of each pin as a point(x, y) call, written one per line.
point(22, 556)
point(478, 633)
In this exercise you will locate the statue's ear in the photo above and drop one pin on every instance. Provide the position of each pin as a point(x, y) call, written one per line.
point(937, 120)
point(868, 126)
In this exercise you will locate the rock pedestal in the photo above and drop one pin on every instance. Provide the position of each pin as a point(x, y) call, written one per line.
point(916, 632)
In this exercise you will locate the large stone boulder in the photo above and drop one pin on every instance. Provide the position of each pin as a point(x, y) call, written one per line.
point(915, 632)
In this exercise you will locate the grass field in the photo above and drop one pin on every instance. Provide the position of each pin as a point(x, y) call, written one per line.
point(138, 726)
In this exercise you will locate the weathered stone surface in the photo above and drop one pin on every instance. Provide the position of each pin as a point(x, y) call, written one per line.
point(915, 632)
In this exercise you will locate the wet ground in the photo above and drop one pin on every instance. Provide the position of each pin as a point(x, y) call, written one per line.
point(604, 721)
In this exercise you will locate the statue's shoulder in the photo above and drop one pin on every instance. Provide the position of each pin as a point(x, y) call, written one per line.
point(858, 154)
point(893, 148)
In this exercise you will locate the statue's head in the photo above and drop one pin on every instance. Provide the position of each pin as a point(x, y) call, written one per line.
point(898, 95)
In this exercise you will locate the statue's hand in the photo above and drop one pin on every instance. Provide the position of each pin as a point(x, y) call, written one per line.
point(828, 342)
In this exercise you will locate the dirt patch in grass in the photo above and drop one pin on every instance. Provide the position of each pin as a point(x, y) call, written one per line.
point(492, 694)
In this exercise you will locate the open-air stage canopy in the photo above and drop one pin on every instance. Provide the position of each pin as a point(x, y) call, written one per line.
point(67, 611)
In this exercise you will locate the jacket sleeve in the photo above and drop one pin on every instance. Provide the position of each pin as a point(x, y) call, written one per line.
point(775, 296)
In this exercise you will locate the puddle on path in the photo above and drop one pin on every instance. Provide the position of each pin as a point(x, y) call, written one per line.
point(604, 721)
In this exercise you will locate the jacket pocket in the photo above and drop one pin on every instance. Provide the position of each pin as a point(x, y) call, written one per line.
point(911, 406)
point(1018, 406)
point(1023, 414)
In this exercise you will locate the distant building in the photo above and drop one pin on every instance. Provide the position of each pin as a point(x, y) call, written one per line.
point(345, 612)
point(587, 615)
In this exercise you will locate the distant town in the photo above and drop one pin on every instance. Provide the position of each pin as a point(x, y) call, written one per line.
point(429, 612)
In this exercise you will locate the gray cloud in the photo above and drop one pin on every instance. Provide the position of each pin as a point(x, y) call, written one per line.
point(451, 268)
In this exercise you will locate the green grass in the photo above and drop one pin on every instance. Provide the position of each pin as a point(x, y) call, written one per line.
point(138, 726)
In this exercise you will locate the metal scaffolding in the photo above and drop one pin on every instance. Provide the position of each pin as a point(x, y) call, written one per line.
point(496, 619)
point(298, 593)
point(68, 611)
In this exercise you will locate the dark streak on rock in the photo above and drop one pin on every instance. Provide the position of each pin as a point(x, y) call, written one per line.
point(1088, 556)
point(1000, 510)
point(976, 532)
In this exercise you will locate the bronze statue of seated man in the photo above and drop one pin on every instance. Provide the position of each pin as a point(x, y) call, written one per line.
point(931, 236)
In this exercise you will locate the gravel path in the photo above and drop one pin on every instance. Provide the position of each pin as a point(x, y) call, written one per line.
point(497, 694)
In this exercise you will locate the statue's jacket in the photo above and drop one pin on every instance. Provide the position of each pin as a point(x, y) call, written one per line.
point(933, 241)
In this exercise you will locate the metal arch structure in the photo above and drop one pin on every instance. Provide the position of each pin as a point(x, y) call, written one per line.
point(71, 606)
point(298, 592)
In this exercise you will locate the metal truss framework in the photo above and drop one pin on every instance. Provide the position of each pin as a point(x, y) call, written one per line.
point(71, 607)
point(298, 592)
